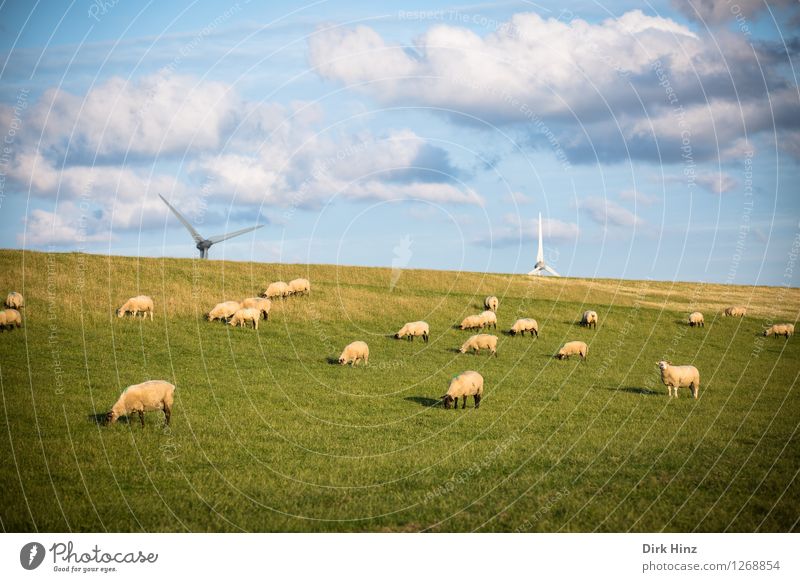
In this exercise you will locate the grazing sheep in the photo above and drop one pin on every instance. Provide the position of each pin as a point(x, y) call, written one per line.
point(735, 311)
point(354, 352)
point(468, 383)
point(472, 322)
point(260, 303)
point(242, 316)
point(10, 318)
point(299, 286)
point(573, 349)
point(224, 310)
point(522, 325)
point(144, 397)
point(785, 329)
point(675, 377)
point(136, 305)
point(589, 318)
point(491, 302)
point(696, 318)
point(482, 341)
point(15, 300)
point(413, 329)
point(277, 289)
point(489, 318)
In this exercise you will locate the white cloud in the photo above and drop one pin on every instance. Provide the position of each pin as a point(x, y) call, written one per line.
point(608, 213)
point(720, 11)
point(69, 227)
point(637, 197)
point(717, 183)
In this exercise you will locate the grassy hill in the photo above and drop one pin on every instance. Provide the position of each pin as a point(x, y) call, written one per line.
point(269, 435)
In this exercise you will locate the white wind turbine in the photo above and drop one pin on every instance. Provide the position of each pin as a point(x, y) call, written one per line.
point(540, 267)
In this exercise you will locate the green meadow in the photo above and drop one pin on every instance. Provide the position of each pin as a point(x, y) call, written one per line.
point(269, 433)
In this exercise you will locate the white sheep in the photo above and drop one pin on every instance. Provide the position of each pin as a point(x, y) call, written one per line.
point(15, 300)
point(260, 303)
point(491, 302)
point(481, 341)
point(414, 329)
point(468, 383)
point(573, 349)
point(144, 397)
point(696, 318)
point(242, 316)
point(277, 289)
point(589, 318)
point(10, 318)
point(472, 322)
point(354, 352)
point(224, 310)
point(735, 311)
point(299, 286)
point(136, 305)
point(785, 329)
point(522, 325)
point(675, 377)
point(489, 318)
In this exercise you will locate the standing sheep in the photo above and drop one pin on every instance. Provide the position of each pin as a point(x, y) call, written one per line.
point(299, 287)
point(414, 329)
point(589, 318)
point(481, 341)
point(491, 302)
point(675, 377)
point(785, 329)
point(15, 300)
point(277, 289)
point(144, 397)
point(468, 383)
point(472, 322)
point(242, 316)
point(10, 318)
point(489, 318)
point(224, 310)
point(136, 305)
point(354, 352)
point(260, 303)
point(522, 325)
point(696, 318)
point(735, 311)
point(573, 349)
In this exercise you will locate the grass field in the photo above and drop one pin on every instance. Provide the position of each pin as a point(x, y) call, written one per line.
point(268, 435)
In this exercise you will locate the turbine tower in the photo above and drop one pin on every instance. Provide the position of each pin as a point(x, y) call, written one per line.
point(203, 244)
point(540, 267)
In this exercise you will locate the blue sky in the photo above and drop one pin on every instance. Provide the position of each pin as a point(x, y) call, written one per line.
point(658, 140)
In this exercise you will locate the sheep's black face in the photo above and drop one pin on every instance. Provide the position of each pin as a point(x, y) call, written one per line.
point(110, 418)
point(447, 400)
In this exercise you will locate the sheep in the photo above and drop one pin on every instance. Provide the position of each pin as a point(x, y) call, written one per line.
point(242, 316)
point(696, 318)
point(468, 383)
point(589, 318)
point(675, 377)
point(144, 397)
point(735, 311)
point(354, 352)
point(413, 329)
point(491, 302)
point(224, 310)
point(260, 303)
point(489, 318)
point(522, 325)
point(136, 305)
point(10, 318)
point(15, 300)
point(277, 289)
point(299, 286)
point(785, 329)
point(472, 322)
point(481, 341)
point(573, 349)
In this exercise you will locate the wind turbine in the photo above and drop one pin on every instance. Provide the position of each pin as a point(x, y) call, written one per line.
point(203, 244)
point(540, 267)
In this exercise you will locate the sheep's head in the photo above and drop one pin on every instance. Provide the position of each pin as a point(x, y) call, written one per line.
point(561, 354)
point(111, 417)
point(462, 350)
point(120, 312)
point(663, 365)
point(397, 335)
point(447, 400)
point(341, 360)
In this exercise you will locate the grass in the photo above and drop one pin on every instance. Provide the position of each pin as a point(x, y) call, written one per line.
point(269, 435)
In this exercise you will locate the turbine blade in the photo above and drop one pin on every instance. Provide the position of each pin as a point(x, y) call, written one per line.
point(195, 235)
point(540, 252)
point(551, 271)
point(222, 237)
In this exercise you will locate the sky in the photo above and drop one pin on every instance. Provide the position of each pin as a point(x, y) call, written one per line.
point(659, 140)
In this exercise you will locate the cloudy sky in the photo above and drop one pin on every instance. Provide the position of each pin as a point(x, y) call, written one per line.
point(659, 140)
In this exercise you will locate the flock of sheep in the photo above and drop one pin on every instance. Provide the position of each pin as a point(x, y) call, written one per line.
point(159, 394)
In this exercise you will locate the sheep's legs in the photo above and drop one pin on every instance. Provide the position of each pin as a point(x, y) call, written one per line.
point(167, 414)
point(141, 417)
point(477, 401)
point(463, 402)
